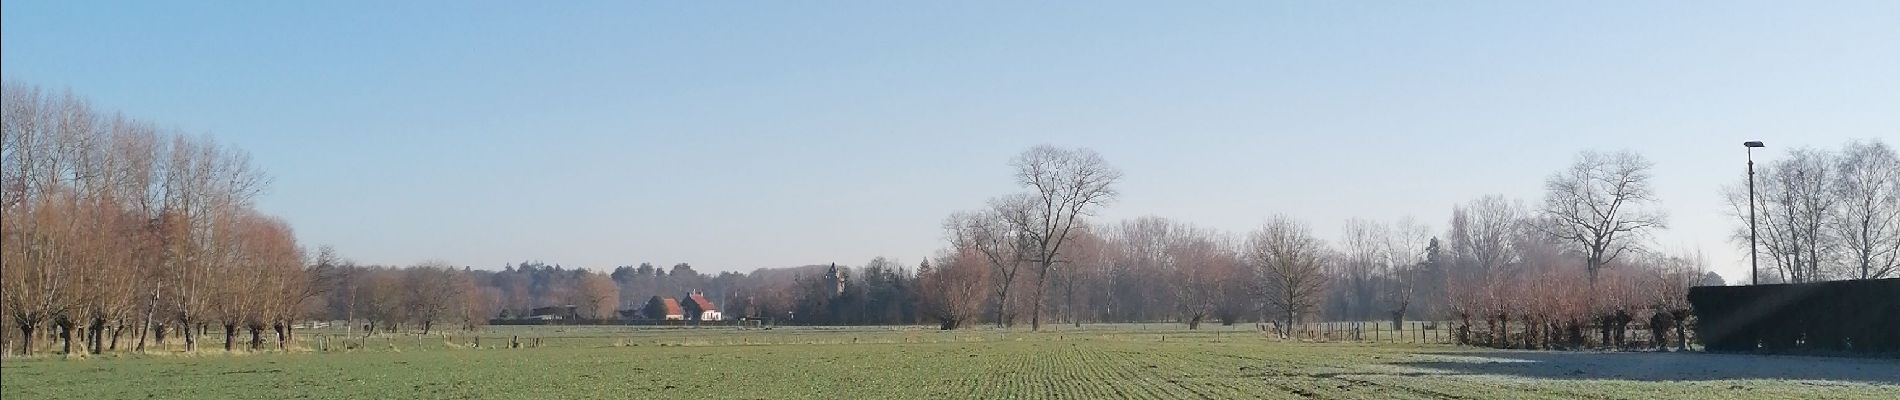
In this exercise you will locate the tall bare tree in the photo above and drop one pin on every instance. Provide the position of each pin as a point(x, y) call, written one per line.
point(1064, 185)
point(1363, 260)
point(1796, 206)
point(1407, 247)
point(1868, 218)
point(1484, 238)
point(1602, 204)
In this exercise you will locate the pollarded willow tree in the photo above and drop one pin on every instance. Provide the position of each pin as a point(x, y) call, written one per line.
point(1064, 185)
point(1602, 204)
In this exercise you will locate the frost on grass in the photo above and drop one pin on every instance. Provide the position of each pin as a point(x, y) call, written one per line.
point(1654, 367)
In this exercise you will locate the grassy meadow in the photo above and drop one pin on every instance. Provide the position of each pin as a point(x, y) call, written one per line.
point(1141, 362)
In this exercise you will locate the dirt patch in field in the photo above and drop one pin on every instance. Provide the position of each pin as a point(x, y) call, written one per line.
point(1648, 366)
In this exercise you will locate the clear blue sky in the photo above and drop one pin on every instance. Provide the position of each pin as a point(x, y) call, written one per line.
point(743, 135)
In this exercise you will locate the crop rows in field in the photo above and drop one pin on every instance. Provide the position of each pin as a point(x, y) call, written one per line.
point(870, 364)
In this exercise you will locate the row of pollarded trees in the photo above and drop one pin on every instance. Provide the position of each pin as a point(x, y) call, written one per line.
point(1509, 281)
point(1824, 214)
point(116, 229)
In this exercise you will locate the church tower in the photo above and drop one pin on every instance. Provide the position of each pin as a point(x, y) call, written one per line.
point(833, 276)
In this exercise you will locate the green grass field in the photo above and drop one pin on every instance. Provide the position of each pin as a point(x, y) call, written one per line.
point(916, 363)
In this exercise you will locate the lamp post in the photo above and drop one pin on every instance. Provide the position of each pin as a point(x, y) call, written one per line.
point(1754, 262)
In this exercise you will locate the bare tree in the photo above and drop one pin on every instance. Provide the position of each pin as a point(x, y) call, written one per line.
point(1796, 206)
point(1090, 259)
point(1363, 260)
point(1601, 204)
point(1868, 218)
point(1407, 247)
point(1291, 265)
point(1200, 262)
point(299, 287)
point(1064, 186)
point(597, 295)
point(432, 292)
point(1139, 276)
point(985, 234)
point(1484, 238)
point(382, 299)
point(953, 290)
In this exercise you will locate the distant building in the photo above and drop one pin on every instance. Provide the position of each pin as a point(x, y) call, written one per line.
point(663, 309)
point(698, 308)
point(553, 313)
point(630, 314)
point(837, 278)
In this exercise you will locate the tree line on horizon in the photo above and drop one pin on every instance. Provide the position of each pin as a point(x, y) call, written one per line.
point(116, 230)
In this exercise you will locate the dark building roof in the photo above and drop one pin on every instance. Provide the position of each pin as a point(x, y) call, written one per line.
point(699, 303)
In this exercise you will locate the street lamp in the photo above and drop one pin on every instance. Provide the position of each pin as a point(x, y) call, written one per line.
point(1754, 264)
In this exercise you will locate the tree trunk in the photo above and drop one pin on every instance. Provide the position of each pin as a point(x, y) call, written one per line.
point(26, 339)
point(1073, 318)
point(1002, 306)
point(190, 336)
point(65, 334)
point(283, 335)
point(96, 335)
point(257, 336)
point(1682, 337)
point(116, 332)
point(230, 336)
point(1035, 313)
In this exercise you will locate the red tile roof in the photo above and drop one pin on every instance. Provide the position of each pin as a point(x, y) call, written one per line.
point(673, 306)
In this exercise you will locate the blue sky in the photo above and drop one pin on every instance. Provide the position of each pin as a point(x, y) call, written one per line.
point(744, 135)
